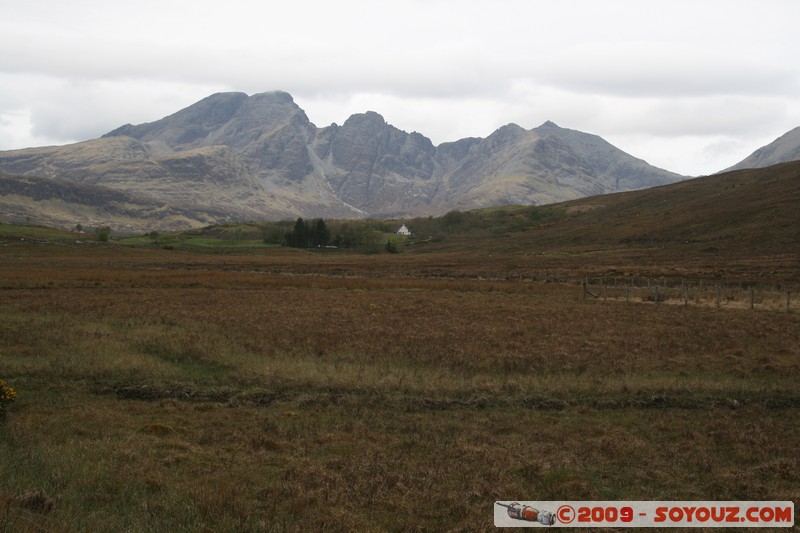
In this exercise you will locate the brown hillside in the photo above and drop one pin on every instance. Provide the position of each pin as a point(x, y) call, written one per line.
point(748, 209)
point(718, 224)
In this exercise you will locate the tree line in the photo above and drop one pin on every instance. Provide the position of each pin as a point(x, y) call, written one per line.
point(369, 235)
point(304, 234)
point(316, 233)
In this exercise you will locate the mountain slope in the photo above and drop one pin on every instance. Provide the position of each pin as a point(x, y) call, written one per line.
point(743, 214)
point(783, 149)
point(198, 178)
point(259, 157)
point(64, 204)
point(268, 131)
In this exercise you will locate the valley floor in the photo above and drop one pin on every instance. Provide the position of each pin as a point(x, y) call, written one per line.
point(291, 391)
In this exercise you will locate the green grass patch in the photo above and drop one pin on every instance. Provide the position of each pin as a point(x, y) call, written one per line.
point(16, 233)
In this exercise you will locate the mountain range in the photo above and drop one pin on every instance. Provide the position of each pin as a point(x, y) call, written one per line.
point(232, 156)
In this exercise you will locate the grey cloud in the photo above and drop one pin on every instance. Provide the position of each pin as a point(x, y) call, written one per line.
point(445, 68)
point(665, 70)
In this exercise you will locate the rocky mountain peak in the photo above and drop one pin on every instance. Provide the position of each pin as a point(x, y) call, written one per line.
point(230, 118)
point(505, 134)
point(509, 130)
point(549, 125)
point(259, 156)
point(368, 119)
point(275, 96)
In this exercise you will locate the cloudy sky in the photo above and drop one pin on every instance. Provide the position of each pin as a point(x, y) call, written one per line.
point(691, 86)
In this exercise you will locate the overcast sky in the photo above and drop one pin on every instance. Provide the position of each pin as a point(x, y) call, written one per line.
point(691, 86)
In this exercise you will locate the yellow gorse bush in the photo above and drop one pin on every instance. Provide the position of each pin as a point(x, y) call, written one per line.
point(7, 395)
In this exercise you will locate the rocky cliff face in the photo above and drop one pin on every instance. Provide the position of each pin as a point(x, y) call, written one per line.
point(259, 157)
point(267, 131)
point(374, 166)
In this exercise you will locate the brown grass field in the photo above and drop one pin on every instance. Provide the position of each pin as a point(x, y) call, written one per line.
point(283, 390)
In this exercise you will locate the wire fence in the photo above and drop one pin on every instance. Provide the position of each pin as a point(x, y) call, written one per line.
point(662, 290)
point(739, 295)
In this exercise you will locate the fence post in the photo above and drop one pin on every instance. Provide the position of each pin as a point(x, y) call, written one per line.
point(752, 297)
point(586, 290)
point(719, 293)
point(685, 296)
point(788, 301)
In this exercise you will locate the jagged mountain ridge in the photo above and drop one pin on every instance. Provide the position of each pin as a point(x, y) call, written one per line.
point(378, 168)
point(260, 157)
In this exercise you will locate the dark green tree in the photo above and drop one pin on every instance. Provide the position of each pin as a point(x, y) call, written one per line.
point(320, 234)
point(347, 236)
point(305, 234)
point(103, 234)
point(299, 236)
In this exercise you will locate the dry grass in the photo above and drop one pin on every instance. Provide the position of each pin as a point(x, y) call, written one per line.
point(288, 391)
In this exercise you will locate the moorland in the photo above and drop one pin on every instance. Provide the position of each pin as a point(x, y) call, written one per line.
point(214, 381)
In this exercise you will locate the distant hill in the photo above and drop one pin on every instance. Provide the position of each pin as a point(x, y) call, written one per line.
point(782, 150)
point(259, 157)
point(744, 213)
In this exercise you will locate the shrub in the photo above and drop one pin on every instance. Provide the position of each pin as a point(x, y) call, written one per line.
point(103, 234)
point(7, 396)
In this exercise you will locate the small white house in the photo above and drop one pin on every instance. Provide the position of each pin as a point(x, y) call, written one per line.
point(404, 231)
